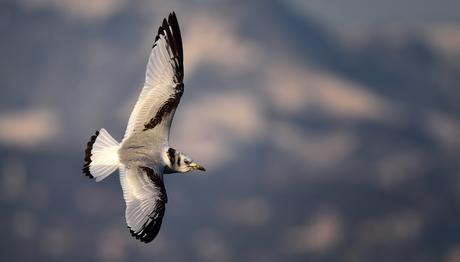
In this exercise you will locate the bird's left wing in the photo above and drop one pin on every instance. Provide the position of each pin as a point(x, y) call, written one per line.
point(145, 196)
point(163, 86)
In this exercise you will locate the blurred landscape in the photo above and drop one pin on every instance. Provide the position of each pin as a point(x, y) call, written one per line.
point(329, 132)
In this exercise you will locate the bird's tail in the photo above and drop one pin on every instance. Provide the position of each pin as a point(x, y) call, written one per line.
point(101, 156)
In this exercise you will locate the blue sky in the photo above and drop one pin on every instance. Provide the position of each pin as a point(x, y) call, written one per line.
point(350, 13)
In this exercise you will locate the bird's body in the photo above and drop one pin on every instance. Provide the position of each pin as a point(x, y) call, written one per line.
point(144, 154)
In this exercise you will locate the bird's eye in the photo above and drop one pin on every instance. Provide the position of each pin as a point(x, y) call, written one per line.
point(187, 162)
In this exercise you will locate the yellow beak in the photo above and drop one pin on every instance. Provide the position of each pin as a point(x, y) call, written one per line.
point(197, 166)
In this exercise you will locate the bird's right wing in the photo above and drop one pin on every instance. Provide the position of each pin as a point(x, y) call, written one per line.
point(145, 196)
point(163, 86)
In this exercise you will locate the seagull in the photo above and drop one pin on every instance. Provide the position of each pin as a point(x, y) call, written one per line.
point(144, 154)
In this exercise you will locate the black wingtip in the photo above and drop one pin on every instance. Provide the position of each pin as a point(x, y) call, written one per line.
point(149, 232)
point(141, 238)
point(89, 148)
point(172, 25)
point(171, 17)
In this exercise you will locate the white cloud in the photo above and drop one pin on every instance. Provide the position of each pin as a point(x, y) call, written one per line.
point(391, 228)
point(444, 128)
point(214, 126)
point(111, 244)
point(445, 38)
point(210, 246)
point(317, 150)
point(80, 9)
point(28, 128)
point(320, 233)
point(401, 165)
point(249, 211)
point(292, 89)
point(56, 241)
point(214, 40)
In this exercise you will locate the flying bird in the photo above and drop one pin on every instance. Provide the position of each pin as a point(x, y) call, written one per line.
point(144, 154)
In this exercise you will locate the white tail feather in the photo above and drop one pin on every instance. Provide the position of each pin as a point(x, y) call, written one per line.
point(104, 156)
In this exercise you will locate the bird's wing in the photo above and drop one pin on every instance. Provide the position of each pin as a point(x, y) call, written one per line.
point(145, 196)
point(163, 85)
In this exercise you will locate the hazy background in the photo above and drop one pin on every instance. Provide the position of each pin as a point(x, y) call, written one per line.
point(330, 129)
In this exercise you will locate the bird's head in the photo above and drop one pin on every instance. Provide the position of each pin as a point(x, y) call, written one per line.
point(181, 163)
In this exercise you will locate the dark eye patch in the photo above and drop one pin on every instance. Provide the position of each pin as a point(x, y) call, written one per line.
point(187, 162)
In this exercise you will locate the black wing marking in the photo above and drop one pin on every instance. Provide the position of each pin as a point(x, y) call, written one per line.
point(167, 108)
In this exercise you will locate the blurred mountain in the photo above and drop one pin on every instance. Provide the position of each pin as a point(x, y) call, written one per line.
point(320, 145)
